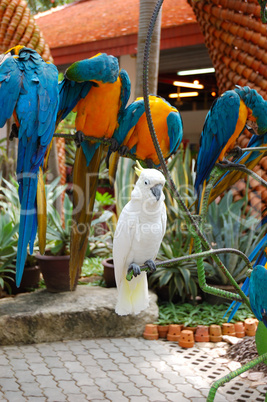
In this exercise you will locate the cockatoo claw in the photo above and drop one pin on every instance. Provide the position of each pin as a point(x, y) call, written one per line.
point(79, 138)
point(135, 269)
point(151, 265)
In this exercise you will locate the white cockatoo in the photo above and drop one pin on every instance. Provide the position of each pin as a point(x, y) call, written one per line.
point(139, 232)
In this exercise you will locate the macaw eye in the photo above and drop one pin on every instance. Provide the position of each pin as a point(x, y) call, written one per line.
point(146, 182)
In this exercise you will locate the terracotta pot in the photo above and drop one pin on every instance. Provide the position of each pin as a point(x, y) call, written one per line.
point(109, 275)
point(186, 339)
point(193, 329)
point(55, 271)
point(30, 279)
point(163, 330)
point(151, 332)
point(250, 326)
point(174, 332)
point(202, 334)
point(239, 329)
point(228, 329)
point(215, 333)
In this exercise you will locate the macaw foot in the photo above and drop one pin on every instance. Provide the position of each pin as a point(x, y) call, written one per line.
point(151, 265)
point(14, 132)
point(135, 269)
point(225, 163)
point(236, 152)
point(149, 163)
point(78, 138)
point(123, 150)
point(114, 145)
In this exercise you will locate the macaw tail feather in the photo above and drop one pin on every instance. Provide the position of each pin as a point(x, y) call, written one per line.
point(112, 166)
point(133, 295)
point(28, 223)
point(85, 179)
point(41, 212)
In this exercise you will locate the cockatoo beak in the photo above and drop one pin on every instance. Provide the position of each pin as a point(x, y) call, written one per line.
point(157, 190)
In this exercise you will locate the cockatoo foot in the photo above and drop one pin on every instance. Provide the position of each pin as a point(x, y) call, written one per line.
point(114, 145)
point(14, 132)
point(123, 150)
point(151, 265)
point(79, 138)
point(225, 163)
point(135, 269)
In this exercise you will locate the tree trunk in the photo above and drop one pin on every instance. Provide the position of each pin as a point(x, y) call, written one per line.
point(146, 9)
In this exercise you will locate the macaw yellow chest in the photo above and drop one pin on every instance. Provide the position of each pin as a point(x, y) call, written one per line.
point(97, 113)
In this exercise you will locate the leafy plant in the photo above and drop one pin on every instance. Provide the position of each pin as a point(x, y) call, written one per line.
point(229, 226)
point(200, 314)
point(180, 277)
point(8, 249)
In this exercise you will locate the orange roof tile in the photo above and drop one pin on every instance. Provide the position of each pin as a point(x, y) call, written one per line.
point(95, 20)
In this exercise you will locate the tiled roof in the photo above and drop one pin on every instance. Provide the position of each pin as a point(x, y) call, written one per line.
point(94, 20)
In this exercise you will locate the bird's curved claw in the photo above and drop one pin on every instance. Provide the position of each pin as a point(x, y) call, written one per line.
point(14, 132)
point(236, 152)
point(135, 269)
point(225, 163)
point(123, 150)
point(149, 163)
point(151, 265)
point(79, 138)
point(114, 145)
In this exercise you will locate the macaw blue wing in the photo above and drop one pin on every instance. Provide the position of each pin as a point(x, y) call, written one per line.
point(219, 126)
point(258, 293)
point(261, 260)
point(174, 122)
point(102, 67)
point(125, 90)
point(36, 111)
point(129, 118)
point(70, 92)
point(10, 86)
point(257, 104)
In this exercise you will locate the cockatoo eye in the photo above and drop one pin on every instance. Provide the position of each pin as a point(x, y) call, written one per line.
point(146, 182)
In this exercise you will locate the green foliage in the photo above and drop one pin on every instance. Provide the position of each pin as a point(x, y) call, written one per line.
point(230, 227)
point(8, 248)
point(37, 6)
point(180, 277)
point(201, 314)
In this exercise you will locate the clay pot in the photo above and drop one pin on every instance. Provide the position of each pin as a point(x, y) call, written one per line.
point(215, 333)
point(193, 329)
point(202, 334)
point(174, 332)
point(109, 275)
point(30, 279)
point(55, 271)
point(228, 329)
point(163, 330)
point(250, 326)
point(186, 339)
point(151, 332)
point(239, 329)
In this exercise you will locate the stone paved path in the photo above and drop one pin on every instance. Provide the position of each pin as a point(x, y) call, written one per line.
point(117, 369)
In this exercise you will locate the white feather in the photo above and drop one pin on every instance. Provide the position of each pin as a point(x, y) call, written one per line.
point(139, 232)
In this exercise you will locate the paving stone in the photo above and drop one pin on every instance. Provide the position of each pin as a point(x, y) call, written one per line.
point(31, 389)
point(8, 384)
point(60, 374)
point(177, 396)
point(151, 373)
point(66, 356)
point(68, 387)
point(117, 357)
point(76, 398)
point(39, 369)
point(130, 389)
point(92, 393)
point(137, 398)
point(36, 399)
point(164, 386)
point(14, 397)
point(95, 372)
point(46, 381)
point(53, 362)
point(116, 396)
point(82, 379)
point(128, 368)
point(174, 378)
point(17, 364)
point(54, 394)
point(86, 360)
point(107, 365)
point(24, 376)
point(74, 367)
point(189, 391)
point(154, 395)
point(105, 384)
point(118, 376)
point(141, 381)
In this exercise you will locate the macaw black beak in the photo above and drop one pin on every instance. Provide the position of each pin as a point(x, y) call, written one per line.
point(157, 190)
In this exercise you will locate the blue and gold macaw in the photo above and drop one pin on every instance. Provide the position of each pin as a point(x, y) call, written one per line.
point(134, 136)
point(248, 287)
point(29, 89)
point(98, 115)
point(249, 159)
point(224, 123)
